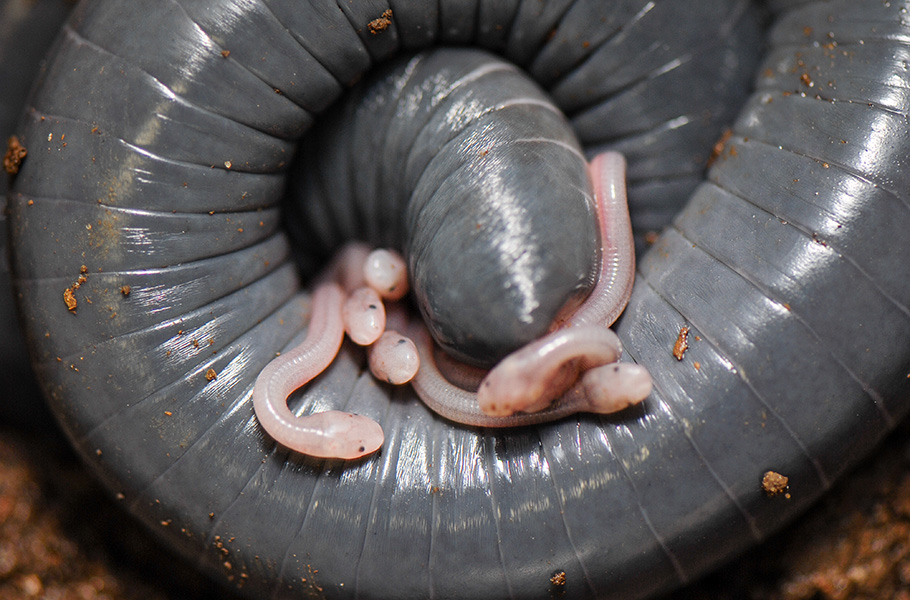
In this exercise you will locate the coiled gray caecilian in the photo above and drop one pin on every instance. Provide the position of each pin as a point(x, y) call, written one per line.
point(797, 320)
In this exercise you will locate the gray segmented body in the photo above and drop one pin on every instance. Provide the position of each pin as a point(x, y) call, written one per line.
point(448, 145)
point(797, 319)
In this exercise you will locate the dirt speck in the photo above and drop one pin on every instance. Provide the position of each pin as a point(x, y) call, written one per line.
point(719, 146)
point(15, 153)
point(69, 298)
point(559, 578)
point(377, 26)
point(682, 343)
point(774, 484)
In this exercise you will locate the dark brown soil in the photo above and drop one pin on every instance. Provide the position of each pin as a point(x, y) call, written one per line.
point(62, 537)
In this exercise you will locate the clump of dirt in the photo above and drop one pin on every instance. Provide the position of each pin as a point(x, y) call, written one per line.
point(774, 483)
point(15, 154)
point(379, 25)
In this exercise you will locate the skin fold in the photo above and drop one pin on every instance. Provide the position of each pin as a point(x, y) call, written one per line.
point(796, 361)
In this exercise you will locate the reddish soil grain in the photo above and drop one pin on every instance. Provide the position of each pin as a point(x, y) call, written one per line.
point(15, 154)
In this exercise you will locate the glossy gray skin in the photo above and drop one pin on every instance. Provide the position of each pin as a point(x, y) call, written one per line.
point(791, 305)
point(27, 28)
point(442, 155)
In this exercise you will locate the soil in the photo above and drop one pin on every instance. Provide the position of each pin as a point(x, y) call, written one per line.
point(15, 154)
point(853, 545)
point(61, 536)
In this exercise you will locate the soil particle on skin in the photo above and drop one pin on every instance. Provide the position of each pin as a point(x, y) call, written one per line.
point(69, 294)
point(377, 26)
point(719, 146)
point(15, 153)
point(69, 298)
point(774, 483)
point(682, 343)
